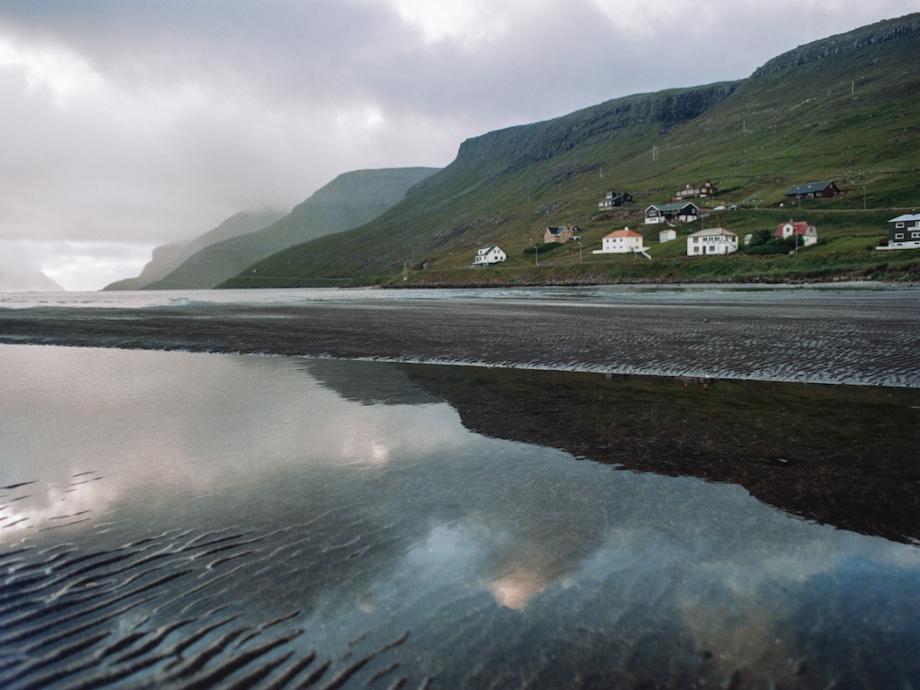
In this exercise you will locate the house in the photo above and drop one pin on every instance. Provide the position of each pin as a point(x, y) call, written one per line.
point(488, 256)
point(624, 241)
point(711, 242)
point(807, 234)
point(692, 192)
point(614, 200)
point(904, 232)
point(663, 213)
point(561, 234)
point(667, 235)
point(813, 190)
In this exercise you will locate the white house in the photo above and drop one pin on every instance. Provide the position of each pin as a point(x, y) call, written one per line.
point(712, 241)
point(807, 234)
point(621, 242)
point(488, 256)
point(667, 235)
point(904, 232)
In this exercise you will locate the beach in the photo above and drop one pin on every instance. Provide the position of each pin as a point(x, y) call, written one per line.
point(540, 489)
point(856, 337)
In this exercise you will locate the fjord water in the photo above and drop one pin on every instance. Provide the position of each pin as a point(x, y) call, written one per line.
point(192, 520)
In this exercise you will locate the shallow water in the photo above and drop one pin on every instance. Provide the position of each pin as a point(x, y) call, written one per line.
point(594, 294)
point(195, 520)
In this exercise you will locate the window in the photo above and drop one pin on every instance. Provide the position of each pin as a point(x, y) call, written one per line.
point(899, 225)
point(899, 235)
point(915, 235)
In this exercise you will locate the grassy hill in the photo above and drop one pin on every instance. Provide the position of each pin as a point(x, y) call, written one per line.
point(168, 257)
point(350, 200)
point(845, 109)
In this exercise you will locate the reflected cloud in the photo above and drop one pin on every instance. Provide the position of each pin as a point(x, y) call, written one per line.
point(515, 589)
point(371, 516)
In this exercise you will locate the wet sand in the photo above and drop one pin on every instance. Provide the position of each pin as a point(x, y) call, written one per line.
point(856, 337)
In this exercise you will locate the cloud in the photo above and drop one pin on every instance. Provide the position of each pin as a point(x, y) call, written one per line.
point(148, 123)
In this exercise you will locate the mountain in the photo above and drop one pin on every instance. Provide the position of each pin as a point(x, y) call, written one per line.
point(22, 279)
point(169, 257)
point(350, 200)
point(846, 108)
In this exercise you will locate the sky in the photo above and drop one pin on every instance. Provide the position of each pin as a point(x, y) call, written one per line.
point(126, 125)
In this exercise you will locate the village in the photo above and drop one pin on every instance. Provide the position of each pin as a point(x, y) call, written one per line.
point(903, 232)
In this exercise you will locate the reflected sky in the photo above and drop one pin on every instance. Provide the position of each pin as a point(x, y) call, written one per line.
point(362, 503)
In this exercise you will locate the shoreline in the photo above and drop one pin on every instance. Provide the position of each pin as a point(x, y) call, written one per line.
point(853, 338)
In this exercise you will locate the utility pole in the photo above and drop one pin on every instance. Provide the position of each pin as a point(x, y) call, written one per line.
point(864, 197)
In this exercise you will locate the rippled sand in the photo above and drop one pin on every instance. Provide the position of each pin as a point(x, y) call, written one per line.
point(844, 337)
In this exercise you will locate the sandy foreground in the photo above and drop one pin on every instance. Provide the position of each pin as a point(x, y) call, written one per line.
point(849, 337)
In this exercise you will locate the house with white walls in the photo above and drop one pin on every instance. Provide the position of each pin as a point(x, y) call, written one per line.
point(807, 234)
point(624, 241)
point(488, 256)
point(712, 242)
point(667, 235)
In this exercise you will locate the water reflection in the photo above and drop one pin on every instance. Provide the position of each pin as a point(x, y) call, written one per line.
point(332, 508)
point(842, 455)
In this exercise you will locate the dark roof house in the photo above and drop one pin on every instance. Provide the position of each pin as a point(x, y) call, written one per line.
point(813, 190)
point(561, 234)
point(614, 200)
point(662, 213)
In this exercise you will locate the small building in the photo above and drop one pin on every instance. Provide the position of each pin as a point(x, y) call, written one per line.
point(561, 234)
point(807, 234)
point(488, 256)
point(904, 232)
point(712, 242)
point(813, 190)
point(667, 235)
point(667, 213)
point(614, 200)
point(624, 241)
point(690, 191)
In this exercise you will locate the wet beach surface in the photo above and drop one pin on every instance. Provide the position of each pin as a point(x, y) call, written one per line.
point(181, 520)
point(858, 337)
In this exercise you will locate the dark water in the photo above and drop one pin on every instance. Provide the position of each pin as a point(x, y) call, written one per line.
point(182, 520)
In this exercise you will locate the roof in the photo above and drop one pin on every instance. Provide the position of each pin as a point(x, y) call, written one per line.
point(672, 207)
point(486, 250)
point(623, 233)
point(905, 218)
point(799, 227)
point(809, 188)
point(558, 231)
point(712, 232)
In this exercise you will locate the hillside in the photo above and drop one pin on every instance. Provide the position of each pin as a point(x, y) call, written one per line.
point(23, 279)
point(168, 257)
point(350, 200)
point(845, 108)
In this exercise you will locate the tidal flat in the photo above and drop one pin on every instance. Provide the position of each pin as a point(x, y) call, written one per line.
point(188, 520)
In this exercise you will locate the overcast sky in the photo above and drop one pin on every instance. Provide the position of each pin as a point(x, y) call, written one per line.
point(132, 123)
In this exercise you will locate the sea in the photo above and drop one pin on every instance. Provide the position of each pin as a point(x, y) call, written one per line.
point(183, 520)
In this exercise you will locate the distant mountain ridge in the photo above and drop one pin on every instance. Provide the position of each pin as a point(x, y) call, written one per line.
point(24, 279)
point(873, 34)
point(350, 200)
point(168, 257)
point(845, 108)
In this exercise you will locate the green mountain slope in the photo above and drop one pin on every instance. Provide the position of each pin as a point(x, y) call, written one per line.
point(168, 257)
point(350, 200)
point(845, 108)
